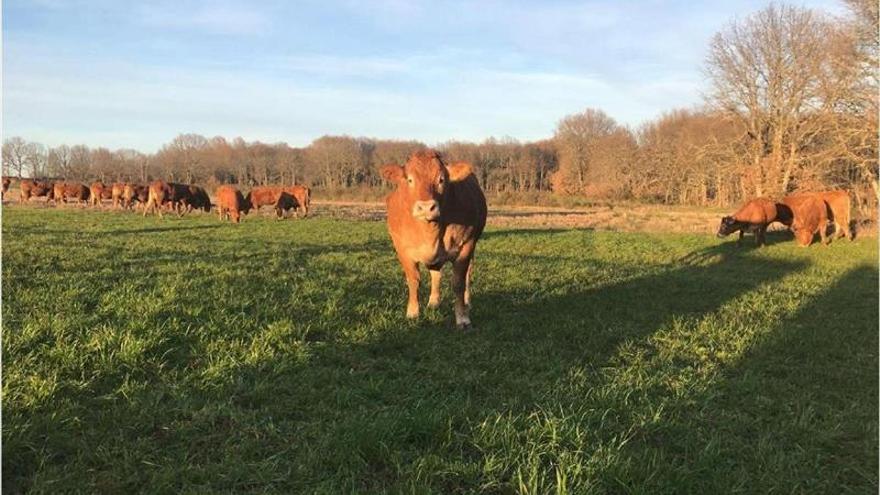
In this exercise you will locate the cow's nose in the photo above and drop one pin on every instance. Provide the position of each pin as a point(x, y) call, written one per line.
point(426, 209)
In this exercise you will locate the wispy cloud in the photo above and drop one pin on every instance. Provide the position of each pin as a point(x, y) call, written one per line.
point(212, 17)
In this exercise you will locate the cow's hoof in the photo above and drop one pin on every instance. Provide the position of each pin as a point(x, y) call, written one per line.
point(464, 327)
point(434, 304)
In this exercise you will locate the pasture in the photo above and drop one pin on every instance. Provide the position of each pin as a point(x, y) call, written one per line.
point(188, 355)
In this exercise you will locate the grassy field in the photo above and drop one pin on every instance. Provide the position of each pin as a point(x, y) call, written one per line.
point(186, 355)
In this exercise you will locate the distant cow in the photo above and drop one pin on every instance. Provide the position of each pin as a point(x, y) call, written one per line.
point(163, 194)
point(71, 190)
point(97, 192)
point(752, 217)
point(34, 189)
point(809, 215)
point(6, 182)
point(281, 198)
point(131, 193)
point(231, 203)
point(117, 190)
point(197, 198)
point(435, 215)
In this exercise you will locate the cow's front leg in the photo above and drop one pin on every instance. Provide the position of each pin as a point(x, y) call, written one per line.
point(411, 272)
point(434, 300)
point(459, 285)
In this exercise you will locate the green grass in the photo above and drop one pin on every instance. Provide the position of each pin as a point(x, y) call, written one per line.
point(185, 355)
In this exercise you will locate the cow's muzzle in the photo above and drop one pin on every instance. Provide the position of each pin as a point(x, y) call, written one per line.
point(428, 211)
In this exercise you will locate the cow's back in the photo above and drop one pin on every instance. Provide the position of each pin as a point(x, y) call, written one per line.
point(757, 211)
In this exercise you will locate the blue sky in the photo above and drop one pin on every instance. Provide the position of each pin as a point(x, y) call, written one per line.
point(135, 74)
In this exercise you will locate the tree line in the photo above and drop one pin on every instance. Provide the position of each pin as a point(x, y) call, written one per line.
point(792, 104)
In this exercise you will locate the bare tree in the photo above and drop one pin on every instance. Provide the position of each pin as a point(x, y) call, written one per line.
point(16, 152)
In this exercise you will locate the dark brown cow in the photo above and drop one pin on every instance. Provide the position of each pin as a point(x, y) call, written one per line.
point(71, 190)
point(197, 198)
point(6, 182)
point(231, 203)
point(435, 215)
point(34, 189)
point(809, 215)
point(752, 217)
point(302, 196)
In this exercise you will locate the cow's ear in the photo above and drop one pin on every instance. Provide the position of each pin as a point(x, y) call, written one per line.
point(392, 173)
point(459, 171)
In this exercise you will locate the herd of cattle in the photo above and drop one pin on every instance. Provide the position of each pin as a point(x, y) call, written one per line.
point(160, 195)
point(806, 214)
point(436, 215)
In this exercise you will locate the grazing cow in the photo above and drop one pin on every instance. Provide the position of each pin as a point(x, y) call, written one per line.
point(62, 191)
point(6, 182)
point(837, 204)
point(34, 189)
point(302, 196)
point(281, 198)
point(116, 193)
point(809, 215)
point(132, 192)
point(97, 192)
point(752, 217)
point(162, 194)
point(231, 203)
point(435, 215)
point(197, 198)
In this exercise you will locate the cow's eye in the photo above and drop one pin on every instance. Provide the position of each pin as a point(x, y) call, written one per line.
point(409, 179)
point(441, 180)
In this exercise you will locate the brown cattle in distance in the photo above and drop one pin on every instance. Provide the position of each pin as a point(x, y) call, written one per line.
point(96, 192)
point(231, 203)
point(116, 192)
point(435, 215)
point(197, 198)
point(6, 182)
point(162, 194)
point(132, 192)
point(281, 198)
point(76, 191)
point(809, 215)
point(34, 189)
point(752, 217)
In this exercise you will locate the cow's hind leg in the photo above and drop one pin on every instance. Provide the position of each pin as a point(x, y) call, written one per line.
point(467, 284)
point(759, 235)
point(434, 300)
point(459, 283)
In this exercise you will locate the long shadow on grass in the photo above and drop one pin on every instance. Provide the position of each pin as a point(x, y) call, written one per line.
point(417, 395)
point(250, 403)
point(798, 413)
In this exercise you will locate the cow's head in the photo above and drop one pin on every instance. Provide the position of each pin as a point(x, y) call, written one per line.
point(423, 182)
point(728, 226)
point(802, 232)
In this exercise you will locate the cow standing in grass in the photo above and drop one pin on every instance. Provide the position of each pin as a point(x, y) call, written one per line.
point(281, 198)
point(163, 194)
point(806, 214)
point(35, 188)
point(435, 215)
point(231, 203)
point(6, 182)
point(752, 217)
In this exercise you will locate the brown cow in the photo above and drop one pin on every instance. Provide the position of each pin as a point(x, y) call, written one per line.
point(231, 203)
point(435, 215)
point(116, 192)
point(809, 215)
point(281, 198)
point(73, 190)
point(837, 204)
point(96, 192)
point(6, 182)
point(132, 192)
point(166, 194)
point(34, 189)
point(752, 217)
